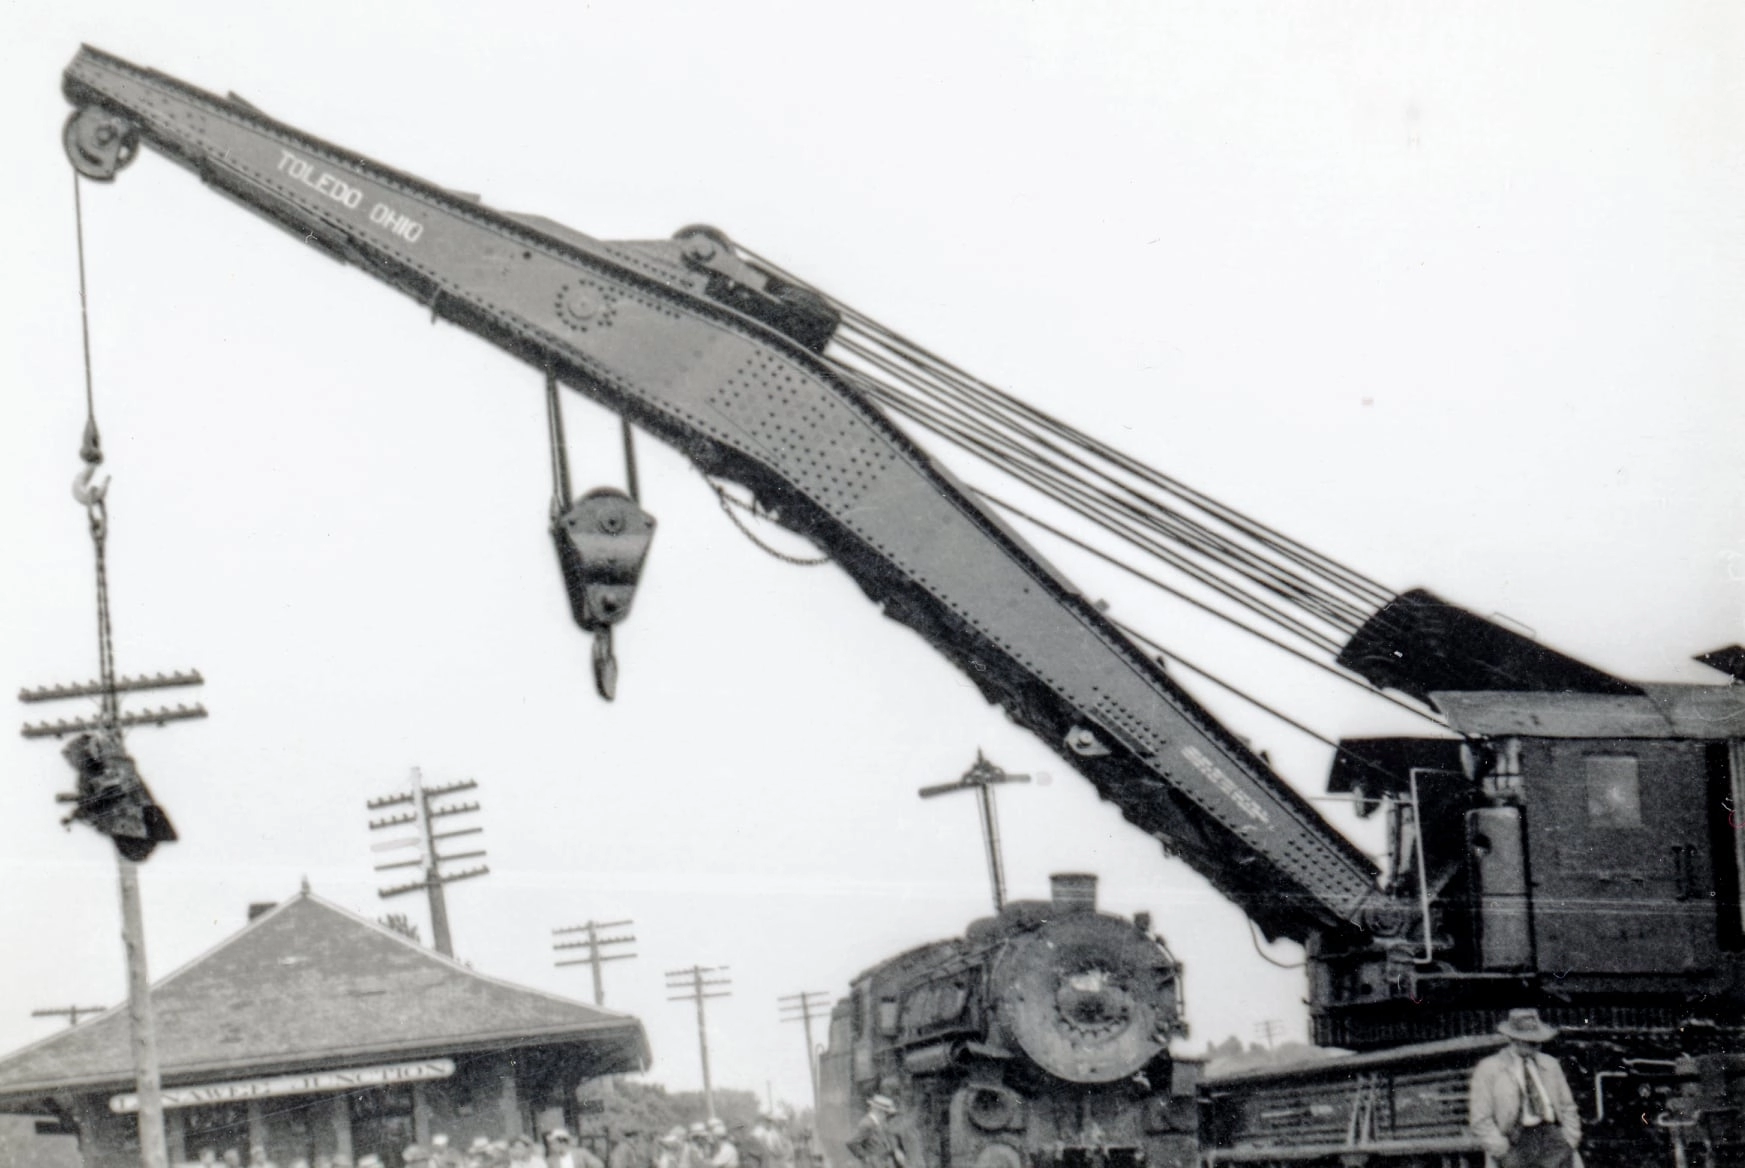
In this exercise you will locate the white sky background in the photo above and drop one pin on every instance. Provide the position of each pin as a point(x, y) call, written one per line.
point(1451, 292)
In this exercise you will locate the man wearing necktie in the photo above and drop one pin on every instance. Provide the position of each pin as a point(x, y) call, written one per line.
point(1519, 1105)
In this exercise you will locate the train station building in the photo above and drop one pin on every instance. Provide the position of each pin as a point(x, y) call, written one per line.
point(314, 1032)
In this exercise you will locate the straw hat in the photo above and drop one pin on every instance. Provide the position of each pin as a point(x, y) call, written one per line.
point(1525, 1026)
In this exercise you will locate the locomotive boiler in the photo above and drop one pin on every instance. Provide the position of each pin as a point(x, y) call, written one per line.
point(1039, 1039)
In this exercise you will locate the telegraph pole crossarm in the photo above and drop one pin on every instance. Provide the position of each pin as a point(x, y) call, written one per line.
point(422, 814)
point(802, 1008)
point(981, 778)
point(70, 1013)
point(595, 944)
point(698, 989)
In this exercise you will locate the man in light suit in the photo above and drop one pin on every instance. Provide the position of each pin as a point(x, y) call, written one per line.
point(1519, 1105)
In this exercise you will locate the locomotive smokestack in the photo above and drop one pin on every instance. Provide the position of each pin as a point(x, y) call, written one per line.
point(1073, 892)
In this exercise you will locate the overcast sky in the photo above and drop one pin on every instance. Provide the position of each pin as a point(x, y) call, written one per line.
point(1451, 292)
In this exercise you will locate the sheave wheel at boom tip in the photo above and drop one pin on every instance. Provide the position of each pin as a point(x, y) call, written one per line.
point(99, 144)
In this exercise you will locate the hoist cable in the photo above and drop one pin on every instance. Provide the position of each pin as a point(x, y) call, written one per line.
point(1172, 658)
point(999, 399)
point(1358, 616)
point(1075, 498)
point(1194, 537)
point(1360, 600)
point(630, 481)
point(561, 495)
point(1238, 565)
point(111, 705)
point(1331, 670)
point(1281, 577)
point(1371, 590)
point(1068, 494)
point(1090, 508)
point(84, 310)
point(90, 494)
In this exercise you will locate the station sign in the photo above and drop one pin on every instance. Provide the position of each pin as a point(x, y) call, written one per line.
point(311, 1083)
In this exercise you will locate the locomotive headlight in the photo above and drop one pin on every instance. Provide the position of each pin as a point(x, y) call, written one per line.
point(1091, 1003)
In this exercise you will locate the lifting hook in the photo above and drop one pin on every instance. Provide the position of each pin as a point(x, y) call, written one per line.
point(602, 540)
point(87, 490)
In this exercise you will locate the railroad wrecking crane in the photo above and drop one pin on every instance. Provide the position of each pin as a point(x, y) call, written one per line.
point(1570, 849)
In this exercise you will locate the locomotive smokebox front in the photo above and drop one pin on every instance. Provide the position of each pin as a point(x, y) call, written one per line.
point(1088, 998)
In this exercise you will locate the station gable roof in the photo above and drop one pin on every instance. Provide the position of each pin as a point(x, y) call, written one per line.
point(309, 984)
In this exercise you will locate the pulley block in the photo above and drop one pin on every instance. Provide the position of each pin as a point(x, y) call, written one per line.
point(602, 540)
point(99, 144)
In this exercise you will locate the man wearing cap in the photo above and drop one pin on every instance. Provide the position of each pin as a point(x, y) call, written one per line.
point(874, 1144)
point(698, 1147)
point(1519, 1105)
point(565, 1154)
point(723, 1152)
point(521, 1154)
point(670, 1149)
point(443, 1156)
point(628, 1151)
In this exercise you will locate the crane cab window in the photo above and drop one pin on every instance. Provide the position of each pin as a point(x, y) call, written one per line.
point(1614, 797)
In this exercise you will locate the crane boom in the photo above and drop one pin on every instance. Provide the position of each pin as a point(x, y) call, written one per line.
point(689, 347)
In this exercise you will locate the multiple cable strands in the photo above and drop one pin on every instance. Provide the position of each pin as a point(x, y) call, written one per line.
point(89, 494)
point(1228, 564)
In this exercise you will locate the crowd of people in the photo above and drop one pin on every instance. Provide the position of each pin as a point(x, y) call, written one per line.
point(769, 1143)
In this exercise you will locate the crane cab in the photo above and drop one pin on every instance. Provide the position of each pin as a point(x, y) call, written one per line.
point(1575, 850)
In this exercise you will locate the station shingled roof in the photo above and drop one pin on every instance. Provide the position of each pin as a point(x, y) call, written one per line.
point(310, 985)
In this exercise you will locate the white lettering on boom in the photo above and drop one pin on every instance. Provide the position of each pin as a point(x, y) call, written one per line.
point(399, 224)
point(303, 171)
point(1225, 784)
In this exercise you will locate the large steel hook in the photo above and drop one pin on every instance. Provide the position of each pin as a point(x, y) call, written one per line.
point(87, 490)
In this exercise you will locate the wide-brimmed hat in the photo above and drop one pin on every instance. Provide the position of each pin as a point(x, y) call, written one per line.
point(883, 1103)
point(1526, 1026)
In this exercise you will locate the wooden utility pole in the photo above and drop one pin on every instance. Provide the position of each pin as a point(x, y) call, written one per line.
point(154, 1152)
point(802, 1008)
point(1270, 1031)
point(594, 943)
point(110, 795)
point(423, 816)
point(982, 778)
point(698, 987)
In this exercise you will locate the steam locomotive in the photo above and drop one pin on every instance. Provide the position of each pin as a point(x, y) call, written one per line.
point(1040, 1037)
